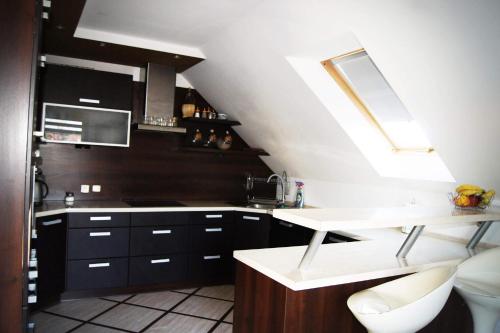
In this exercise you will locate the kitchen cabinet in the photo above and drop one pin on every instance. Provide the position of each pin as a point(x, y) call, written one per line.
point(159, 243)
point(170, 268)
point(63, 123)
point(97, 273)
point(50, 245)
point(97, 251)
point(80, 86)
point(288, 234)
point(212, 240)
point(139, 249)
point(252, 230)
point(158, 240)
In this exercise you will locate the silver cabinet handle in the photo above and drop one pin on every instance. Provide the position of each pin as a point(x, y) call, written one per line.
point(100, 234)
point(47, 223)
point(160, 261)
point(89, 100)
point(253, 218)
point(213, 229)
point(211, 257)
point(100, 218)
point(100, 264)
point(288, 225)
point(161, 232)
point(213, 216)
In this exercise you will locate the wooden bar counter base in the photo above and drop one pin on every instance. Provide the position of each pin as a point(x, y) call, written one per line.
point(263, 305)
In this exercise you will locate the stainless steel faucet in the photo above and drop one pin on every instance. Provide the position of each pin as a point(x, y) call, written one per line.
point(282, 201)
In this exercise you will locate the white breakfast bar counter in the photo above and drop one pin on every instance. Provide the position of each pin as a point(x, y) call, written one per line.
point(375, 257)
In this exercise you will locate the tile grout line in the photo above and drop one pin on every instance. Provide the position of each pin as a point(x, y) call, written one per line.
point(221, 320)
point(89, 321)
point(82, 322)
point(171, 310)
point(217, 298)
point(168, 311)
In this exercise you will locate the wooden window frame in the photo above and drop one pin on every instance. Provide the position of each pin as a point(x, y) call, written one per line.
point(361, 106)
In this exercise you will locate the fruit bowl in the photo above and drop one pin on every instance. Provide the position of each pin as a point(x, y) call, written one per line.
point(471, 197)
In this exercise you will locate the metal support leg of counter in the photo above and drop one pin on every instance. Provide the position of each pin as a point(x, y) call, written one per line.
point(476, 238)
point(410, 240)
point(312, 249)
point(417, 230)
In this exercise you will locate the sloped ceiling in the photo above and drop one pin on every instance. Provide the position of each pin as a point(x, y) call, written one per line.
point(441, 57)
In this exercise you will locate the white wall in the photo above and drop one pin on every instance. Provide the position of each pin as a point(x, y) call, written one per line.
point(439, 56)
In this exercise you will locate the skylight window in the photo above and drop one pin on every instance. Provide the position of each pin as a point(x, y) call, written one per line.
point(364, 84)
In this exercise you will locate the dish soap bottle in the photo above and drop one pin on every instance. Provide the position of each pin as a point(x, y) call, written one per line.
point(299, 196)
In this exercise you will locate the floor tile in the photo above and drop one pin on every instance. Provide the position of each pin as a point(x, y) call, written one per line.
point(82, 309)
point(164, 300)
point(186, 291)
point(89, 328)
point(47, 323)
point(128, 317)
point(181, 324)
point(117, 298)
point(204, 307)
point(225, 292)
point(229, 317)
point(223, 328)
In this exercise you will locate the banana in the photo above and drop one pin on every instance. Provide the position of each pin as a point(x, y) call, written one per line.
point(487, 196)
point(471, 192)
point(466, 187)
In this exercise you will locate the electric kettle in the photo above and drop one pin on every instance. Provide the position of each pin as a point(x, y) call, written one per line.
point(41, 189)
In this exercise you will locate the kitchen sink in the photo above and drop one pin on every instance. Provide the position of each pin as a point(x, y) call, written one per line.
point(257, 205)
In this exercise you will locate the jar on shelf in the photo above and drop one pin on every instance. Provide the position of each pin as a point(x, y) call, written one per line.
point(212, 139)
point(197, 138)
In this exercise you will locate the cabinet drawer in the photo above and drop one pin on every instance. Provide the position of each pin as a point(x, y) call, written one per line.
point(211, 217)
point(216, 237)
point(158, 240)
point(158, 269)
point(211, 267)
point(97, 273)
point(158, 219)
point(97, 220)
point(252, 231)
point(97, 243)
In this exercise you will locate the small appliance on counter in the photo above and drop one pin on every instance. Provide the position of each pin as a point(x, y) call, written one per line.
point(41, 189)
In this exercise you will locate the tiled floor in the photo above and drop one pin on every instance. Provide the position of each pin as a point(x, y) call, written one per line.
point(197, 310)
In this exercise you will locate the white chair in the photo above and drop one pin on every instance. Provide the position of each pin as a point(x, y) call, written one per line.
point(404, 305)
point(478, 281)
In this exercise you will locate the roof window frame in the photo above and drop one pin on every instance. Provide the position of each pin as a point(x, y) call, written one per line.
point(341, 81)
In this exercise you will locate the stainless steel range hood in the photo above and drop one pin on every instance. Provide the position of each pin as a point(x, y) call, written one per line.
point(160, 91)
point(160, 94)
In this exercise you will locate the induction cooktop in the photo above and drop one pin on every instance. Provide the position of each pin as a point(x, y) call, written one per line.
point(153, 203)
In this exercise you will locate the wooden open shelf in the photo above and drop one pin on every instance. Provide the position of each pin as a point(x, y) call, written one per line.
point(161, 129)
point(247, 151)
point(210, 121)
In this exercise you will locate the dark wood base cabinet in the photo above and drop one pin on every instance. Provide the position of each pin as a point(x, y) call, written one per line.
point(107, 253)
point(263, 305)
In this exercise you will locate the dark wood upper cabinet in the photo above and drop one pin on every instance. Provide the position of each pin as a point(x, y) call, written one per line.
point(80, 86)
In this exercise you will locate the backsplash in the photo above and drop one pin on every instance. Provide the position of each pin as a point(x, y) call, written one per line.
point(149, 169)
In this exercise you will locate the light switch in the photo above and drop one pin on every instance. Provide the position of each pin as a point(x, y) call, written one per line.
point(85, 188)
point(96, 188)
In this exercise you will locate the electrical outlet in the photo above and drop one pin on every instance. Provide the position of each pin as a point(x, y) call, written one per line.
point(85, 188)
point(96, 188)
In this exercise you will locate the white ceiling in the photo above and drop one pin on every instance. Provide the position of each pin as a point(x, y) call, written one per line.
point(441, 57)
point(167, 25)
